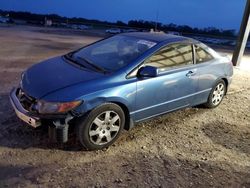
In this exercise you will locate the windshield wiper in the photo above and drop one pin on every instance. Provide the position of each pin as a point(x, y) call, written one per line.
point(70, 58)
point(98, 68)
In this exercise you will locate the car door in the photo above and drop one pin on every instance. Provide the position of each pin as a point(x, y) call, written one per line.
point(209, 69)
point(172, 88)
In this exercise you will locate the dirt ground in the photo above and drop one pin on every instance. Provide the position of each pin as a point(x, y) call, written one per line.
point(190, 148)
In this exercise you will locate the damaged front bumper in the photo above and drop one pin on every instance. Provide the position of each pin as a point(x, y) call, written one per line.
point(21, 112)
point(58, 131)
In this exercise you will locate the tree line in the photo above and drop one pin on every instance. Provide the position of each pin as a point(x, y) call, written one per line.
point(142, 24)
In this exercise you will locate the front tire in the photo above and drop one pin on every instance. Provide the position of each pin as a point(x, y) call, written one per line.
point(101, 126)
point(216, 95)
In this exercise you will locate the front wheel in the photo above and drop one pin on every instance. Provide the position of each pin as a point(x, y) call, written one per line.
point(216, 95)
point(101, 127)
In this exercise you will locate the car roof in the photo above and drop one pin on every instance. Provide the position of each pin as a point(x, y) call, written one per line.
point(157, 36)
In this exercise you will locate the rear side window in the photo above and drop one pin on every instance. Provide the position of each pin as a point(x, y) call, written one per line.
point(202, 56)
point(172, 56)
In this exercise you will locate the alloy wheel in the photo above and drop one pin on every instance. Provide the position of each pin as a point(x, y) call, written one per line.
point(104, 128)
point(218, 94)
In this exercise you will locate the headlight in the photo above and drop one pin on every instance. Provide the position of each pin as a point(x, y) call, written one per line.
point(22, 75)
point(56, 108)
point(21, 81)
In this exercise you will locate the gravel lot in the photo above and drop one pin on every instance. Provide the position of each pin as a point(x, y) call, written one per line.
point(194, 147)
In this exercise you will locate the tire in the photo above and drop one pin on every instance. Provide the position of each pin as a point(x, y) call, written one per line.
point(101, 127)
point(216, 95)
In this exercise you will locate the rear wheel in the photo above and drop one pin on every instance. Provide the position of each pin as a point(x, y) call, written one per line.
point(101, 127)
point(216, 95)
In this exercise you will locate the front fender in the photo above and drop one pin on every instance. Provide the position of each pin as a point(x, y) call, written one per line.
point(124, 93)
point(90, 104)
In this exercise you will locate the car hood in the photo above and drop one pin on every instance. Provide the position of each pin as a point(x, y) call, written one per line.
point(53, 74)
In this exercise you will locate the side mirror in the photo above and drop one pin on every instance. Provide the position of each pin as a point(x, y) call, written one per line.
point(148, 71)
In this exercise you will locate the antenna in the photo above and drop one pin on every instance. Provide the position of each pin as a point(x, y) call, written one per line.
point(157, 15)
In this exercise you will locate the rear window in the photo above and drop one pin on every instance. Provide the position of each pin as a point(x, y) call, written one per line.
point(202, 55)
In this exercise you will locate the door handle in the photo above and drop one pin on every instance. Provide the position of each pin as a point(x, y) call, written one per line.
point(191, 73)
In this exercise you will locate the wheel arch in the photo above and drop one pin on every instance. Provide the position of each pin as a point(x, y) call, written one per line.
point(219, 79)
point(125, 109)
point(90, 105)
point(226, 82)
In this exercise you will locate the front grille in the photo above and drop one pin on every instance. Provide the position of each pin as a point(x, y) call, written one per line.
point(26, 100)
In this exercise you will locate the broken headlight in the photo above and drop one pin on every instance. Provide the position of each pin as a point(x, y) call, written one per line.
point(44, 107)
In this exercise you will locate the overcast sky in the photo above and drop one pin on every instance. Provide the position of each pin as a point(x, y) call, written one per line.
point(226, 14)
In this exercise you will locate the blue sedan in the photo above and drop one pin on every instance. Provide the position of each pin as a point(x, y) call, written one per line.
point(108, 86)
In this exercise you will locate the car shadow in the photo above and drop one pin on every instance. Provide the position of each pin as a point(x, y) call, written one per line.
point(126, 171)
point(16, 134)
point(228, 136)
point(8, 172)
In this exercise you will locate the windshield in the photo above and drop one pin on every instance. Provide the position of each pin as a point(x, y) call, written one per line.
point(114, 53)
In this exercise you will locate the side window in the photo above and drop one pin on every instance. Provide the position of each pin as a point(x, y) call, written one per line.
point(172, 56)
point(202, 56)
